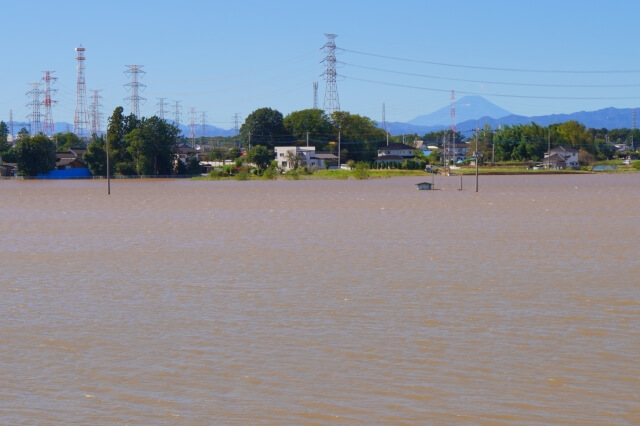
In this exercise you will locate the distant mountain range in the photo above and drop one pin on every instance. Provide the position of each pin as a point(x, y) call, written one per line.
point(63, 127)
point(472, 111)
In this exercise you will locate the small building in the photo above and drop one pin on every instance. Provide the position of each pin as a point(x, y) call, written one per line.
point(395, 154)
point(8, 169)
point(561, 157)
point(456, 152)
point(69, 165)
point(422, 186)
point(291, 157)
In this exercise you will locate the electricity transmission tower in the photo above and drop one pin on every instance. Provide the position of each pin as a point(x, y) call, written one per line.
point(176, 111)
point(34, 116)
point(135, 87)
point(160, 106)
point(80, 120)
point(331, 99)
point(47, 127)
point(96, 113)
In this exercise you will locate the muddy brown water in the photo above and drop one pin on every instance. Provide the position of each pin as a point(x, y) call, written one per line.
point(293, 302)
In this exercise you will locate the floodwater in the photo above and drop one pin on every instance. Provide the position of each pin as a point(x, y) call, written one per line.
point(294, 302)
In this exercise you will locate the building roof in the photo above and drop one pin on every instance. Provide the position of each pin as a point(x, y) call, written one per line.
point(567, 149)
point(390, 158)
point(396, 147)
point(325, 157)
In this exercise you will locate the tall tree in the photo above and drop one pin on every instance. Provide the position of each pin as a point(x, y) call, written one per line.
point(96, 157)
point(360, 136)
point(312, 122)
point(575, 135)
point(260, 156)
point(152, 146)
point(67, 140)
point(4, 133)
point(35, 155)
point(265, 126)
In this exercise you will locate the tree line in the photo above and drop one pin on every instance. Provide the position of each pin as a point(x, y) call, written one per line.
point(148, 146)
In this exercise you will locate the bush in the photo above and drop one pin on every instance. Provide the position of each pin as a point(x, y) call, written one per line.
point(242, 174)
point(361, 170)
point(636, 165)
point(270, 173)
point(294, 174)
point(216, 174)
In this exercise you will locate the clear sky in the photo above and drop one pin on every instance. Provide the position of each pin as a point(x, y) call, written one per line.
point(226, 58)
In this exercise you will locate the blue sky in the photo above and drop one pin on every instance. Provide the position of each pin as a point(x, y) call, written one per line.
point(228, 58)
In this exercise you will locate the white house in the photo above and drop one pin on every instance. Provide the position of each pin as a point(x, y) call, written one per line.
point(303, 155)
point(561, 157)
point(456, 152)
point(395, 153)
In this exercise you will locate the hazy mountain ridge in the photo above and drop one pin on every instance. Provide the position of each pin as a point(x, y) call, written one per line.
point(471, 112)
point(608, 118)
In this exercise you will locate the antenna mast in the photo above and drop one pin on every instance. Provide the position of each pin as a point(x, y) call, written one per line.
point(315, 95)
point(331, 100)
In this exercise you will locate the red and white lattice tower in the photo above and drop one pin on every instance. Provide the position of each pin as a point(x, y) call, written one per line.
point(96, 113)
point(47, 125)
point(81, 119)
point(136, 87)
point(34, 116)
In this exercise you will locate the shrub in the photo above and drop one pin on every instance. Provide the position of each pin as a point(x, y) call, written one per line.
point(361, 170)
point(270, 173)
point(242, 174)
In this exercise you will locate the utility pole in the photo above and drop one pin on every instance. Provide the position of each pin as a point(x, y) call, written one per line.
point(106, 138)
point(477, 158)
point(339, 166)
point(548, 148)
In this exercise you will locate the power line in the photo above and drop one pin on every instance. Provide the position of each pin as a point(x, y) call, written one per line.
point(493, 82)
point(550, 71)
point(493, 94)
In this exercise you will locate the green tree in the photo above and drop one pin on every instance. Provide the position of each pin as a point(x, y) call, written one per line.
point(96, 157)
point(118, 155)
point(265, 126)
point(152, 146)
point(313, 122)
point(65, 141)
point(260, 156)
point(35, 155)
point(4, 133)
point(360, 137)
point(575, 135)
